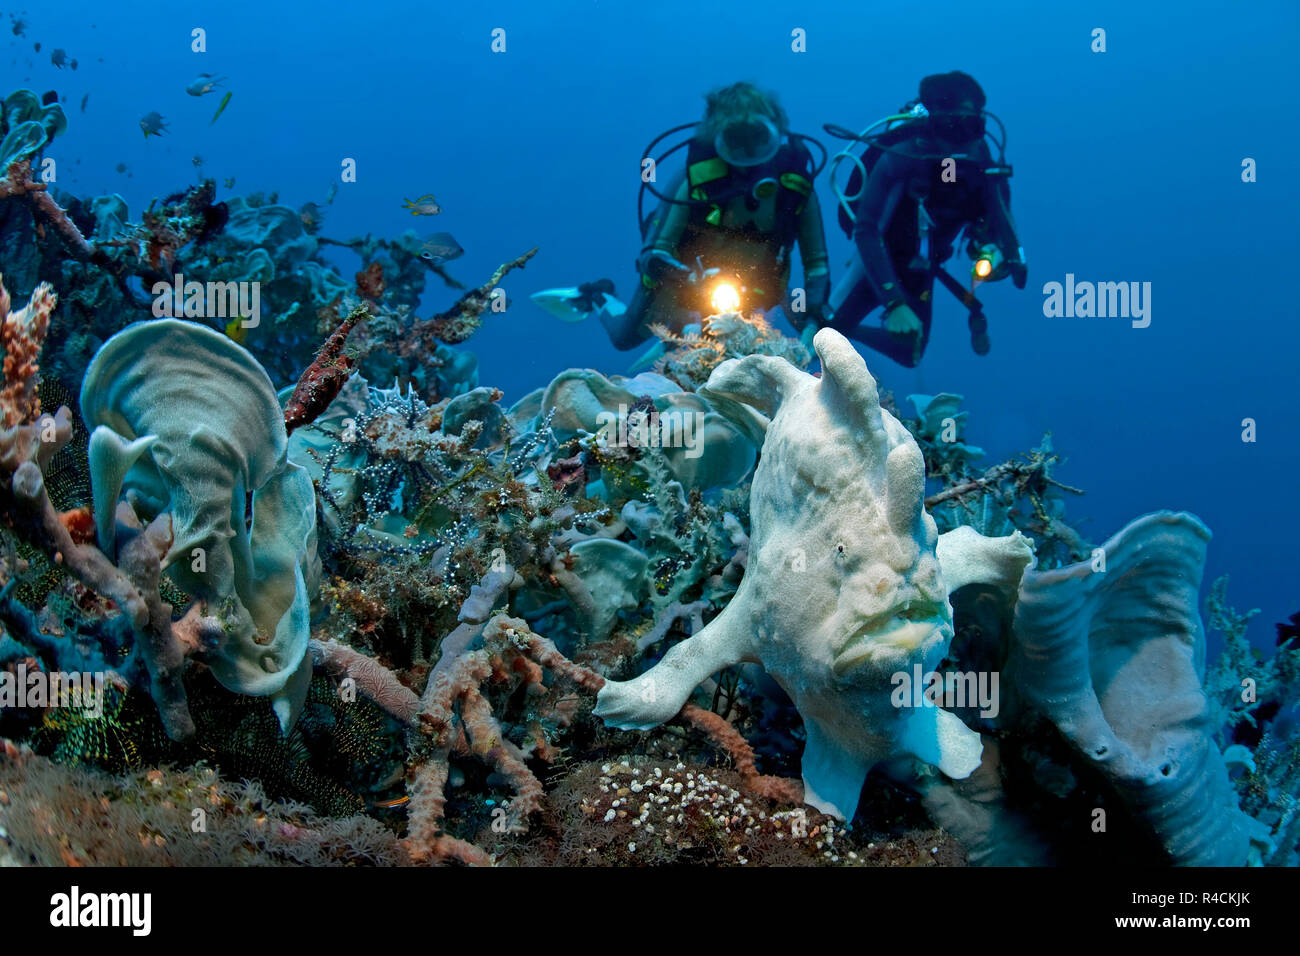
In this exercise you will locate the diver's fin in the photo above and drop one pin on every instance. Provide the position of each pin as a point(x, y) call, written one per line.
point(648, 358)
point(611, 306)
point(565, 304)
point(570, 304)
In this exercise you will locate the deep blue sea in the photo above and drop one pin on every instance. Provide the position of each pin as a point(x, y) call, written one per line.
point(1128, 167)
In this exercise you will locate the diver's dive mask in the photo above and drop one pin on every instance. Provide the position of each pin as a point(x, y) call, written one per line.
point(750, 141)
point(957, 127)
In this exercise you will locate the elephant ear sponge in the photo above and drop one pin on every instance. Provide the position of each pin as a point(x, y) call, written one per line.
point(845, 586)
point(186, 422)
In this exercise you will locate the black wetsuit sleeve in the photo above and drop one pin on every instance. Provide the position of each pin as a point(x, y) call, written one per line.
point(874, 210)
point(812, 245)
point(997, 225)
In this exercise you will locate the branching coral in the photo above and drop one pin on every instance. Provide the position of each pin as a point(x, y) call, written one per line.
point(1238, 679)
point(1253, 707)
point(24, 450)
point(694, 355)
point(463, 319)
point(21, 336)
point(514, 655)
point(1020, 494)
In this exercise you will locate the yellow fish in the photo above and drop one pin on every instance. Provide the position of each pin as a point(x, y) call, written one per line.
point(236, 329)
point(426, 205)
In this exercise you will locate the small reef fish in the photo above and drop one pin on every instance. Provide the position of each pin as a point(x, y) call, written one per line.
point(310, 215)
point(60, 59)
point(229, 183)
point(331, 193)
point(37, 46)
point(204, 83)
point(197, 161)
point(393, 803)
point(426, 205)
point(440, 247)
point(121, 167)
point(85, 99)
point(20, 27)
point(152, 124)
point(237, 331)
point(225, 100)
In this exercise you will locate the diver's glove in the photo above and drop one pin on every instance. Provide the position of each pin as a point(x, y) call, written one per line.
point(999, 266)
point(817, 311)
point(901, 320)
point(987, 263)
point(660, 266)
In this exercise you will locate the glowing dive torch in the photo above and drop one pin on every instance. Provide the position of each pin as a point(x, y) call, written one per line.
point(725, 298)
point(987, 262)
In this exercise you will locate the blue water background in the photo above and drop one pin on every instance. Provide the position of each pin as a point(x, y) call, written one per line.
point(1127, 168)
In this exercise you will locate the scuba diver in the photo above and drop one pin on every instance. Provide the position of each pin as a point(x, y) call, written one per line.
point(921, 182)
point(722, 236)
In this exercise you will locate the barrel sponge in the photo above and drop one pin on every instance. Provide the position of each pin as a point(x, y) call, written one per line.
point(1111, 651)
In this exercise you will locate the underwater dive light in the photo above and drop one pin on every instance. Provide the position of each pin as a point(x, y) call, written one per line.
point(982, 269)
point(725, 298)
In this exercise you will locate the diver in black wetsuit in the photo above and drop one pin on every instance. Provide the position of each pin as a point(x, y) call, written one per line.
point(926, 181)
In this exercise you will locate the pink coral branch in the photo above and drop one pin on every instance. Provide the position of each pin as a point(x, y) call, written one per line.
point(18, 183)
point(512, 653)
point(778, 789)
point(22, 334)
point(373, 679)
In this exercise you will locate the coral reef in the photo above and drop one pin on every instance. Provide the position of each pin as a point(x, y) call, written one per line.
point(398, 609)
point(694, 355)
point(58, 815)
